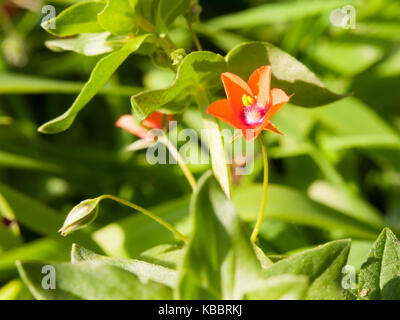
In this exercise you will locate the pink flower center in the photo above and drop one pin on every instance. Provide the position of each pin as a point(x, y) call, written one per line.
point(252, 115)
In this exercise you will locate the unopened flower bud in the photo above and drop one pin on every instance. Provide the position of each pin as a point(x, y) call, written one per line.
point(80, 216)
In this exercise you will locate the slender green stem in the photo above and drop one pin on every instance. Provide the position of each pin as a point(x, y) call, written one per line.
point(264, 194)
point(175, 153)
point(145, 212)
point(193, 34)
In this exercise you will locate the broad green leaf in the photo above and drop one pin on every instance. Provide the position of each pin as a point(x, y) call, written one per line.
point(90, 280)
point(289, 205)
point(322, 265)
point(379, 276)
point(118, 240)
point(282, 287)
point(99, 76)
point(88, 44)
point(119, 17)
point(219, 262)
point(275, 13)
point(144, 270)
point(197, 70)
point(287, 73)
point(42, 249)
point(78, 18)
point(40, 218)
point(168, 11)
point(11, 83)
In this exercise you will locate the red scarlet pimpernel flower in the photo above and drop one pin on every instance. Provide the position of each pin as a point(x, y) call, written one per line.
point(153, 121)
point(249, 105)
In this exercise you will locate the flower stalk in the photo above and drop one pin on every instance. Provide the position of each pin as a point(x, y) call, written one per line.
point(260, 218)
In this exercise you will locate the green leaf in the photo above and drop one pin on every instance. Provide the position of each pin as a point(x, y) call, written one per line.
point(322, 265)
point(78, 18)
point(287, 73)
point(99, 76)
point(289, 205)
point(220, 262)
point(282, 287)
point(144, 270)
point(88, 44)
point(119, 17)
point(379, 276)
point(275, 13)
point(90, 280)
point(197, 70)
point(169, 10)
point(11, 83)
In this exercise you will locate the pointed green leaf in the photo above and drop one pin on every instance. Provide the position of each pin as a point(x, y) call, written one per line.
point(380, 275)
point(78, 18)
point(198, 69)
point(220, 262)
point(89, 280)
point(144, 270)
point(99, 76)
point(322, 265)
point(287, 73)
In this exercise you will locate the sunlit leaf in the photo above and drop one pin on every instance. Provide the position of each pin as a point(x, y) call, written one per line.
point(86, 280)
point(144, 270)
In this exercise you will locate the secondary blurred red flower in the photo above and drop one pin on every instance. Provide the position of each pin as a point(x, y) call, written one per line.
point(250, 105)
point(153, 121)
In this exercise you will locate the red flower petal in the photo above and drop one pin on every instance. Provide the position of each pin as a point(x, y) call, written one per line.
point(271, 127)
point(260, 84)
point(127, 123)
point(154, 120)
point(222, 109)
point(235, 88)
point(279, 98)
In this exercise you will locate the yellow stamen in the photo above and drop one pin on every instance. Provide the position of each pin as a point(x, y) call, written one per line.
point(247, 100)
